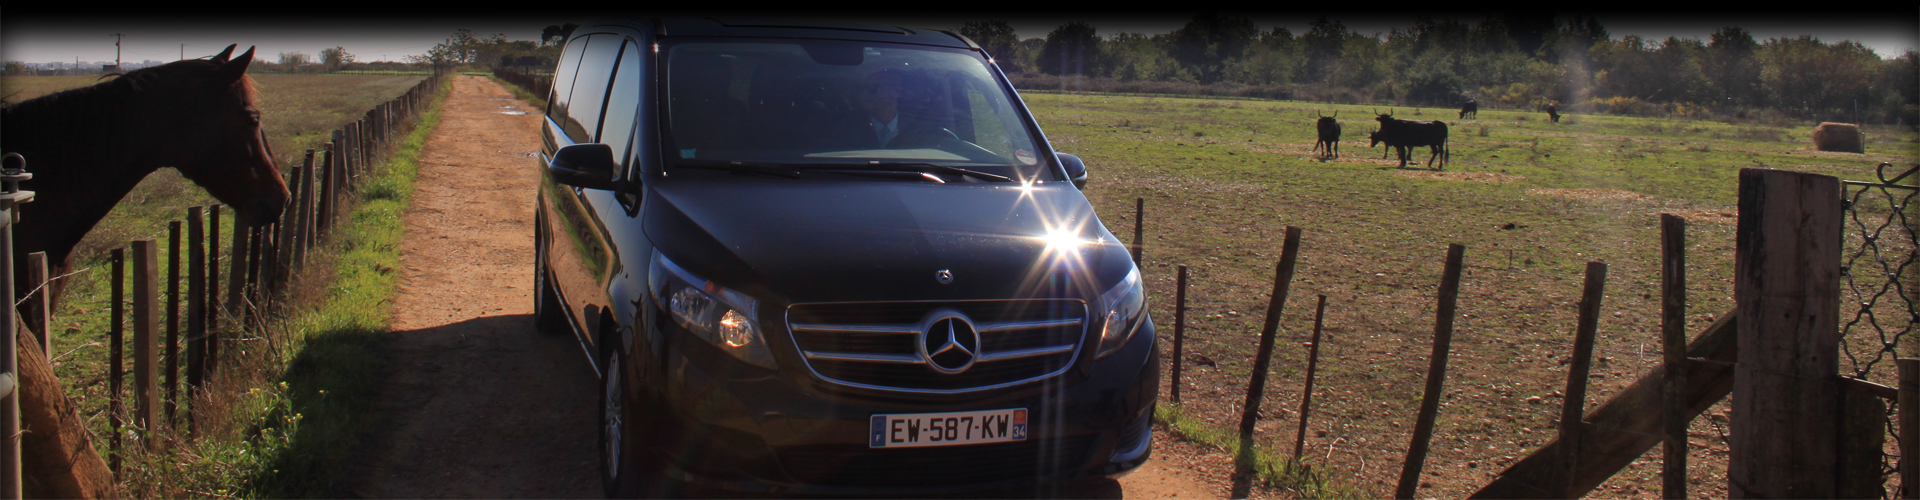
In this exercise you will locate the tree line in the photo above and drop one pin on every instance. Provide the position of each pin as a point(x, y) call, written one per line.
point(1515, 60)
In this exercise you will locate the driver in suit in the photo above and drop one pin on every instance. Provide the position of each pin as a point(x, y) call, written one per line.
point(880, 100)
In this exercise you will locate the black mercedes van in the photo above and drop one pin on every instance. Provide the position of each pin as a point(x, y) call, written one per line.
point(811, 258)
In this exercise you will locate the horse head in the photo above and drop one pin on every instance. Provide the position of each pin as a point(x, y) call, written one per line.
point(224, 149)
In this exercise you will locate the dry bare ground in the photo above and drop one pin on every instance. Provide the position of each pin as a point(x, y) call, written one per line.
point(482, 406)
point(478, 404)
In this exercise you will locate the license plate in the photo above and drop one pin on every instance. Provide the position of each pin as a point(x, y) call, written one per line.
point(914, 430)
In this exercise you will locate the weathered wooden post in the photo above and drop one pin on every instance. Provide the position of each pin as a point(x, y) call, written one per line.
point(1436, 374)
point(1573, 407)
point(1673, 341)
point(309, 211)
point(251, 290)
point(329, 191)
point(1784, 437)
point(116, 406)
point(1139, 228)
point(1250, 414)
point(196, 307)
point(1179, 329)
point(146, 291)
point(238, 258)
point(211, 287)
point(1909, 425)
point(173, 320)
point(38, 315)
point(1306, 394)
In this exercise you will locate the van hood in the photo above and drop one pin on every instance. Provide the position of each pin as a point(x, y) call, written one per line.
point(834, 241)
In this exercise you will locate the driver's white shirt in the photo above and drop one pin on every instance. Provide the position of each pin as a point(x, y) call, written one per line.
point(885, 130)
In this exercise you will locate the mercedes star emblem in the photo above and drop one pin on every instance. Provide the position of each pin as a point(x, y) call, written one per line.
point(949, 343)
point(945, 276)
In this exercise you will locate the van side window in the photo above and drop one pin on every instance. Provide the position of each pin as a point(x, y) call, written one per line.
point(590, 86)
point(623, 103)
point(563, 79)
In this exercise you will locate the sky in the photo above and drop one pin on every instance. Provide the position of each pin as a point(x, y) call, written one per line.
point(48, 36)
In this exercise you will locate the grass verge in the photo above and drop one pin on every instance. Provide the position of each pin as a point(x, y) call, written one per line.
point(520, 93)
point(285, 421)
point(1296, 477)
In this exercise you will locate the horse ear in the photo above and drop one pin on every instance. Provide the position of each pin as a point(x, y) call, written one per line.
point(221, 58)
point(234, 69)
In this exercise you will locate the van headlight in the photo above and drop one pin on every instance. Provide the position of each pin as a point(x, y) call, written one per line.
point(1126, 308)
point(721, 316)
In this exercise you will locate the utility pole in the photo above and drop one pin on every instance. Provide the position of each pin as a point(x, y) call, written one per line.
point(183, 52)
point(116, 49)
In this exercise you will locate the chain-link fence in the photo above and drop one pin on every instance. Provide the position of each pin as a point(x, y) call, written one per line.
point(1880, 285)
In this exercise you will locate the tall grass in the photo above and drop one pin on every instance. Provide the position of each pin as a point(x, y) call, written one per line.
point(1295, 475)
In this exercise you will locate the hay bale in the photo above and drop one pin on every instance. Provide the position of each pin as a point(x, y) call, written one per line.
point(1845, 137)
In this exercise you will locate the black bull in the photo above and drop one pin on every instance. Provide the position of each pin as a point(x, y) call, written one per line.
point(1403, 134)
point(1329, 143)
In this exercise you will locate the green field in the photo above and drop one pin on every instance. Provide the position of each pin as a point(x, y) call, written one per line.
point(298, 112)
point(1532, 201)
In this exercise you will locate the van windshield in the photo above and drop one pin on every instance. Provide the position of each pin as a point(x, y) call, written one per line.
point(806, 103)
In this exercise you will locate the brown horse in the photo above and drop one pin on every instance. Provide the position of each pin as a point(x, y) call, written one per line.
point(88, 147)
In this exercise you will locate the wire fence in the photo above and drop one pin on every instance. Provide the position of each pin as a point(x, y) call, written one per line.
point(1879, 288)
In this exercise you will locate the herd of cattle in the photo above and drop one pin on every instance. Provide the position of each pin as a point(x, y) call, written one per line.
point(1401, 136)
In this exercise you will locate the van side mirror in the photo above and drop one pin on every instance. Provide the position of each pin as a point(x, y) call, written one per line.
point(586, 165)
point(1076, 170)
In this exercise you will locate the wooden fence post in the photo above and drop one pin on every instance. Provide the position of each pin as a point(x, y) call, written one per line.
point(251, 291)
point(196, 307)
point(237, 262)
point(39, 316)
point(1784, 437)
point(1436, 374)
point(211, 287)
point(1249, 415)
point(1673, 340)
point(1306, 394)
point(303, 216)
point(323, 204)
point(146, 293)
point(1909, 425)
point(1139, 228)
point(116, 407)
point(173, 320)
point(1179, 329)
point(1573, 406)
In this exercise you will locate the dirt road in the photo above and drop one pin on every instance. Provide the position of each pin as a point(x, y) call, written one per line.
point(481, 405)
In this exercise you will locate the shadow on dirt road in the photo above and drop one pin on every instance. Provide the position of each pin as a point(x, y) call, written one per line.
point(484, 408)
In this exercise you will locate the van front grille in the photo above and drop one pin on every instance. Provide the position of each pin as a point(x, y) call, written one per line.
point(877, 345)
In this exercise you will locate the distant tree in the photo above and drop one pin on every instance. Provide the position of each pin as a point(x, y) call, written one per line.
point(1070, 50)
point(1324, 41)
point(557, 34)
point(997, 38)
point(1210, 42)
point(1731, 68)
point(335, 57)
point(16, 68)
point(1529, 29)
point(293, 59)
point(1818, 79)
point(1137, 57)
point(1275, 58)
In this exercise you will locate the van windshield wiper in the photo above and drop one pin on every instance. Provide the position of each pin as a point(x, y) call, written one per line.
point(916, 167)
point(743, 167)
